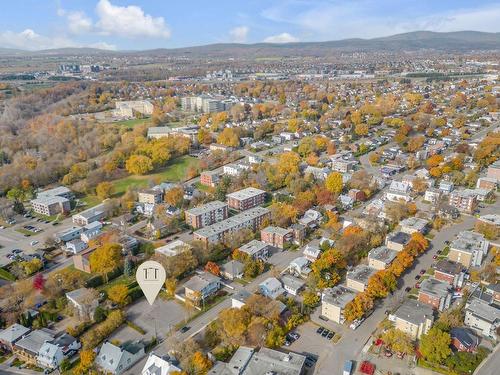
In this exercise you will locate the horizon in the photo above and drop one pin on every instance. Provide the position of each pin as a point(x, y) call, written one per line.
point(135, 25)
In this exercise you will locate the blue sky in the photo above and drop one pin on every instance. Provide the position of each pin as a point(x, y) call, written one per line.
point(143, 24)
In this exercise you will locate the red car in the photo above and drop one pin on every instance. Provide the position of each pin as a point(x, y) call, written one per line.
point(417, 285)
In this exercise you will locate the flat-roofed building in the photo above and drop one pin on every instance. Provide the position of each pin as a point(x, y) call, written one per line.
point(210, 178)
point(90, 215)
point(450, 272)
point(206, 214)
point(464, 200)
point(246, 198)
point(251, 219)
point(397, 240)
point(381, 257)
point(482, 317)
point(358, 277)
point(435, 293)
point(201, 286)
point(334, 301)
point(413, 225)
point(276, 236)
point(413, 318)
point(151, 196)
point(256, 249)
point(51, 205)
point(468, 249)
point(173, 248)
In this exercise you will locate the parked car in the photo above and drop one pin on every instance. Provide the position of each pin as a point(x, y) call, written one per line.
point(33, 243)
point(185, 329)
point(330, 336)
point(422, 272)
point(294, 335)
point(417, 277)
point(407, 289)
point(417, 285)
point(320, 330)
point(325, 333)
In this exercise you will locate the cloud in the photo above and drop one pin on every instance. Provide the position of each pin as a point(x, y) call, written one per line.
point(129, 21)
point(239, 34)
point(30, 40)
point(281, 38)
point(334, 20)
point(78, 22)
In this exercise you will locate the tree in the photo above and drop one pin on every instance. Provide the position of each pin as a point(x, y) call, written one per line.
point(415, 143)
point(128, 266)
point(99, 314)
point(213, 268)
point(32, 266)
point(38, 282)
point(139, 164)
point(361, 129)
point(104, 190)
point(434, 160)
point(398, 341)
point(119, 294)
point(310, 298)
point(435, 345)
point(200, 362)
point(283, 214)
point(105, 258)
point(334, 182)
point(229, 137)
point(175, 196)
point(171, 286)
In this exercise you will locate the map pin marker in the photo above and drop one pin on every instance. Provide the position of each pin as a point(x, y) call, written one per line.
point(150, 276)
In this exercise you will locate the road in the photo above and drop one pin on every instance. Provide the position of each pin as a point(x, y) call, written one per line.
point(491, 365)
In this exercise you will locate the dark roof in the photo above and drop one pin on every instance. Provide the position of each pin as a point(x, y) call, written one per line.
point(466, 337)
point(449, 267)
point(400, 238)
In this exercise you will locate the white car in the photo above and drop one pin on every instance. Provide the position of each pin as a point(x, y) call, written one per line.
point(33, 243)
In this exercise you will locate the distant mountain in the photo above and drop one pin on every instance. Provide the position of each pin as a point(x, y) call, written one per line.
point(459, 41)
point(11, 51)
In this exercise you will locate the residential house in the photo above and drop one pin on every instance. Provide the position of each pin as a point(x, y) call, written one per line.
point(413, 318)
point(68, 234)
point(173, 248)
point(398, 191)
point(280, 363)
point(446, 186)
point(75, 246)
point(299, 233)
point(84, 302)
point(90, 215)
point(156, 365)
point(357, 195)
point(482, 317)
point(129, 244)
point(202, 286)
point(468, 249)
point(246, 198)
point(317, 172)
point(116, 360)
point(464, 340)
point(343, 166)
point(358, 277)
point(10, 335)
point(333, 302)
point(276, 236)
point(28, 347)
point(50, 356)
point(487, 183)
point(91, 231)
point(346, 202)
point(210, 178)
point(206, 214)
point(232, 270)
point(150, 196)
point(432, 195)
point(311, 252)
point(435, 293)
point(81, 260)
point(292, 285)
point(397, 240)
point(464, 200)
point(494, 171)
point(271, 287)
point(381, 257)
point(239, 299)
point(256, 249)
point(450, 272)
point(299, 267)
point(413, 225)
point(311, 218)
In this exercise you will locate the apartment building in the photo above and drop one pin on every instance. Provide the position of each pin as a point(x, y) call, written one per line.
point(151, 196)
point(482, 317)
point(468, 249)
point(201, 286)
point(190, 132)
point(463, 200)
point(494, 171)
point(333, 302)
point(252, 219)
point(450, 272)
point(413, 225)
point(49, 206)
point(397, 240)
point(246, 198)
point(381, 257)
point(358, 277)
point(206, 214)
point(413, 318)
point(256, 249)
point(276, 236)
point(435, 293)
point(210, 178)
point(130, 108)
point(89, 216)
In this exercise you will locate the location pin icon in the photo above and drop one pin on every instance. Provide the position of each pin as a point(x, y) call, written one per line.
point(150, 276)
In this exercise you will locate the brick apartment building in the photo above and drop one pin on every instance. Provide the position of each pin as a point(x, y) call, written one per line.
point(246, 198)
point(276, 236)
point(207, 214)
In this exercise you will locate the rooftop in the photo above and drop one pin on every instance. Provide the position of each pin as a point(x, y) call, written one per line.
point(245, 193)
point(469, 242)
point(399, 237)
point(269, 361)
point(414, 223)
point(414, 312)
point(484, 311)
point(449, 267)
point(382, 254)
point(253, 247)
point(361, 273)
point(276, 230)
point(205, 208)
point(338, 296)
point(199, 282)
point(435, 287)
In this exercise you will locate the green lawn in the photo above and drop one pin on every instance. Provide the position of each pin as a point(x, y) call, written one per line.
point(6, 275)
point(174, 172)
point(134, 122)
point(90, 200)
point(125, 280)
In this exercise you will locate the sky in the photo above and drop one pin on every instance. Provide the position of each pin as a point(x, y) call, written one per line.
point(146, 24)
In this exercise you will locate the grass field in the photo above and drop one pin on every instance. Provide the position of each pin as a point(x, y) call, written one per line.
point(174, 172)
point(134, 122)
point(90, 200)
